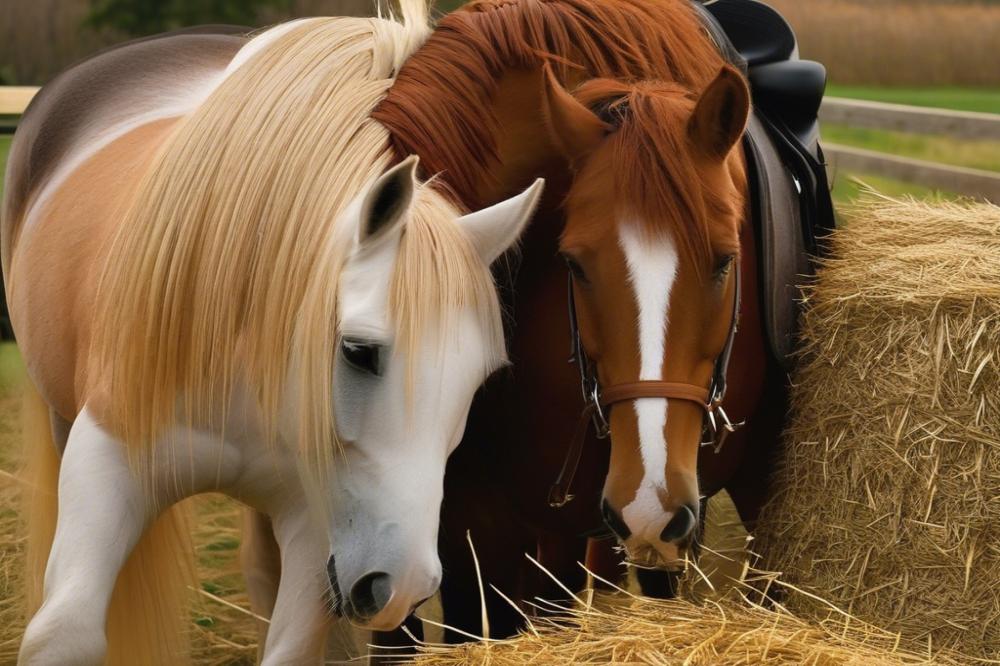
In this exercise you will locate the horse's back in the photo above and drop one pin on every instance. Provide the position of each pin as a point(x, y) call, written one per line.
point(78, 155)
point(98, 98)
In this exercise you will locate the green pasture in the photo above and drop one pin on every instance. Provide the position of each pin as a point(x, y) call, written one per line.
point(849, 186)
point(984, 100)
point(4, 149)
point(11, 378)
point(972, 154)
point(11, 368)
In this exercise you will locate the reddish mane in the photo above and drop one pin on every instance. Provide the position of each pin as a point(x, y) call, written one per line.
point(655, 171)
point(441, 104)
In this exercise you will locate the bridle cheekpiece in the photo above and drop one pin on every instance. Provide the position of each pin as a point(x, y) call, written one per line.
point(597, 401)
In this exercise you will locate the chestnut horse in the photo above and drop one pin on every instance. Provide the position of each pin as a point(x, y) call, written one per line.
point(655, 232)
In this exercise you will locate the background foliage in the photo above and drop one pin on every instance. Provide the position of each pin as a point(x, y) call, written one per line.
point(145, 17)
point(39, 38)
point(862, 42)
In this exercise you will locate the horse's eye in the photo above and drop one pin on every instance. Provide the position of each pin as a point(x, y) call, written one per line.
point(363, 356)
point(574, 268)
point(723, 265)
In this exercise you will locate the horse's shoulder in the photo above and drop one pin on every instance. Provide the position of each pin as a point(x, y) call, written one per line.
point(116, 87)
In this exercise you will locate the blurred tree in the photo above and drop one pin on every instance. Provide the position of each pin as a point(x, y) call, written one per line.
point(449, 5)
point(146, 17)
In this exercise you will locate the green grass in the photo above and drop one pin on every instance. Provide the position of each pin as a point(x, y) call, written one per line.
point(847, 188)
point(11, 368)
point(4, 149)
point(984, 100)
point(11, 380)
point(972, 154)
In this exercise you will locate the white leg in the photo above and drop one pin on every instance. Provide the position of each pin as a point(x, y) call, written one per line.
point(260, 560)
point(300, 621)
point(102, 515)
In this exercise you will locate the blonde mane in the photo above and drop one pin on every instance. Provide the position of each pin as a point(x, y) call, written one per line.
point(224, 271)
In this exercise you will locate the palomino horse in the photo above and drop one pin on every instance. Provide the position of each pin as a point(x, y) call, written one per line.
point(654, 233)
point(218, 284)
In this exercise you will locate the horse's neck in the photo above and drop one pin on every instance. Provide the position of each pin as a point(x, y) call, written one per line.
point(524, 147)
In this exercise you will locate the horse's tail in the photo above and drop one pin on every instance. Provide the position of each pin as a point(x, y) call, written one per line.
point(39, 504)
point(147, 621)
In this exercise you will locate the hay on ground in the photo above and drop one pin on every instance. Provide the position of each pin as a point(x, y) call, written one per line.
point(888, 500)
point(624, 629)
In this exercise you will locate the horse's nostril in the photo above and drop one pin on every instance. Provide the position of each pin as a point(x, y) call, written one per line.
point(336, 596)
point(614, 521)
point(371, 594)
point(680, 526)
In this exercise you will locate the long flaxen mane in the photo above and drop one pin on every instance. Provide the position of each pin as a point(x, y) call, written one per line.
point(441, 104)
point(224, 270)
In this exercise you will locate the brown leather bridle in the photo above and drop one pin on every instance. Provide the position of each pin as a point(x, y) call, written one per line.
point(717, 425)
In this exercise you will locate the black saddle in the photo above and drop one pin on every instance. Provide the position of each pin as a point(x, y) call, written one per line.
point(790, 195)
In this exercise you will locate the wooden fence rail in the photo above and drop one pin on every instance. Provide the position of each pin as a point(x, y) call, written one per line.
point(14, 99)
point(854, 113)
point(962, 125)
point(969, 182)
point(913, 119)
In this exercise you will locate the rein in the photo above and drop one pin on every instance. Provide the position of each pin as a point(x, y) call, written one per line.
point(597, 401)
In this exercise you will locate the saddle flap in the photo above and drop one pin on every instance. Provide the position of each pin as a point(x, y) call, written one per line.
point(790, 197)
point(776, 205)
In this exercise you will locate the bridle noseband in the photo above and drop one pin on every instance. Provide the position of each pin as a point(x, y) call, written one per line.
point(597, 401)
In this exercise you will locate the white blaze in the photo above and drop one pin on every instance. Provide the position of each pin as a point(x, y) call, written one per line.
point(652, 266)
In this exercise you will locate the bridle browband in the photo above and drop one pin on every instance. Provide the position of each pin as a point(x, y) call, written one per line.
point(598, 401)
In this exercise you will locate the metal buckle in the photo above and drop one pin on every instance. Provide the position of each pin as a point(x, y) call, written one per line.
point(601, 426)
point(558, 504)
point(728, 428)
point(718, 431)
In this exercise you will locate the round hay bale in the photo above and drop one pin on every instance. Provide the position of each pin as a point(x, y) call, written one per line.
point(622, 629)
point(888, 500)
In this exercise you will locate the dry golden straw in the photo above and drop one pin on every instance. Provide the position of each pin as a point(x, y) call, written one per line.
point(916, 43)
point(624, 629)
point(888, 501)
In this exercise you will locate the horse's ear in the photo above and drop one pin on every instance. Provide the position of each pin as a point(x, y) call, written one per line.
point(388, 200)
point(575, 129)
point(493, 230)
point(720, 117)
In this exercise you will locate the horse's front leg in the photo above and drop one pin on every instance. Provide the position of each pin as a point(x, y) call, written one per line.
point(300, 621)
point(103, 512)
point(260, 560)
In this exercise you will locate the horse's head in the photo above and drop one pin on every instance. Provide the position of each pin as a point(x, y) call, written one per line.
point(419, 329)
point(652, 242)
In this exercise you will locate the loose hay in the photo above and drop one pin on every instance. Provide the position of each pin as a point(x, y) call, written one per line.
point(11, 541)
point(622, 629)
point(888, 501)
